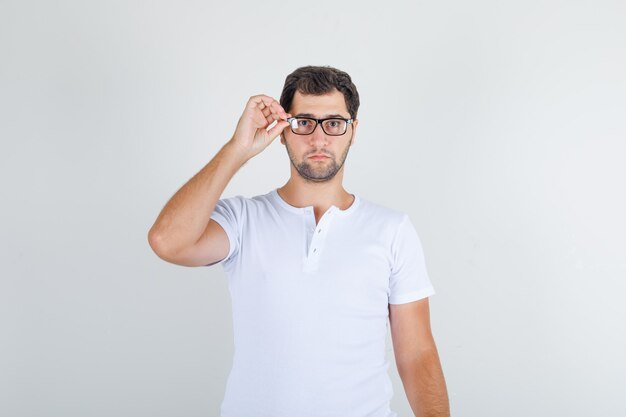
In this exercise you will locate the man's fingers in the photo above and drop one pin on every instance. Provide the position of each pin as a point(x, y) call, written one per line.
point(278, 109)
point(257, 100)
point(264, 102)
point(280, 126)
point(270, 118)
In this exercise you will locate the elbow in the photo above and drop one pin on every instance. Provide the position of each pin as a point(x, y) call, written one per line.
point(157, 243)
point(421, 359)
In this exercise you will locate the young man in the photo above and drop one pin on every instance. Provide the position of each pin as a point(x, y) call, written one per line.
point(314, 272)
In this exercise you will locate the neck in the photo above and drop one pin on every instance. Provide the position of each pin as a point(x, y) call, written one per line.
point(299, 192)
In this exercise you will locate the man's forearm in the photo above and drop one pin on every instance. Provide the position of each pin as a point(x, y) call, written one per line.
point(425, 385)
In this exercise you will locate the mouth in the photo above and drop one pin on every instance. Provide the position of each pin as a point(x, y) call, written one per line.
point(316, 157)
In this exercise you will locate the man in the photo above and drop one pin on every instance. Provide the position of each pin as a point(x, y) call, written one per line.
point(314, 272)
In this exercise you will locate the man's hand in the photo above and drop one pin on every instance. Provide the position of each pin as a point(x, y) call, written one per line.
point(251, 135)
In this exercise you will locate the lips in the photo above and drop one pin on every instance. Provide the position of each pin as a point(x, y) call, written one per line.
point(318, 156)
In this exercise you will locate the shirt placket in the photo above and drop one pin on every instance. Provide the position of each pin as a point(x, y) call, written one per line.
point(316, 236)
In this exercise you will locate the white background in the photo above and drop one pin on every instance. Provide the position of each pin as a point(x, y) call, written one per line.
point(498, 126)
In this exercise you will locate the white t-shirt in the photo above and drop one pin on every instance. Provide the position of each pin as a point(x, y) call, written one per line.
point(310, 305)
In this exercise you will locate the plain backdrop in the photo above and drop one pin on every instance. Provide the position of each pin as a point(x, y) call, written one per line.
point(499, 127)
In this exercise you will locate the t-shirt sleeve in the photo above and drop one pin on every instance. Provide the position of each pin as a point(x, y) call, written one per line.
point(228, 213)
point(409, 279)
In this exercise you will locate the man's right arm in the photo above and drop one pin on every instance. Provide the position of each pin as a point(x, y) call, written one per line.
point(184, 232)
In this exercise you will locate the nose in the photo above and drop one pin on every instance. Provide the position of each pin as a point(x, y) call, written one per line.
point(318, 137)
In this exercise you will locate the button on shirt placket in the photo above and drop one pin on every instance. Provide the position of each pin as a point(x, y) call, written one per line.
point(316, 235)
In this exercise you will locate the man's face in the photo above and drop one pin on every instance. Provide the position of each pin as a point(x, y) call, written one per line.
point(301, 147)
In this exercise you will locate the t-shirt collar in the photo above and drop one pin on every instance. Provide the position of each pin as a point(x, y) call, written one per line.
point(278, 199)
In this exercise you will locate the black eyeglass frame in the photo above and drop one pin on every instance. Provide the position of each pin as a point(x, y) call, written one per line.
point(319, 122)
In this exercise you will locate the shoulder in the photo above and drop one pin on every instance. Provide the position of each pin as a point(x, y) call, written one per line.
point(374, 211)
point(380, 219)
point(241, 204)
point(235, 202)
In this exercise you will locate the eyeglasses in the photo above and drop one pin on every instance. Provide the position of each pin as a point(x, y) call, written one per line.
point(332, 126)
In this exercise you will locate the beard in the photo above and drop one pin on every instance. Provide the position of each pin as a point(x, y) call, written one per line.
point(313, 171)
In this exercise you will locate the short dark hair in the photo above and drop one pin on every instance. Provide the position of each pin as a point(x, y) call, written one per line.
point(318, 80)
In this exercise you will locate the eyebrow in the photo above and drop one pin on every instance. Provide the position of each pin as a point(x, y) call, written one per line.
point(323, 117)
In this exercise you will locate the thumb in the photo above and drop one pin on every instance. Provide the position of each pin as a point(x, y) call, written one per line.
point(279, 127)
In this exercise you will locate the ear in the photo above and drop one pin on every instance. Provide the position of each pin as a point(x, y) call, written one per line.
point(354, 125)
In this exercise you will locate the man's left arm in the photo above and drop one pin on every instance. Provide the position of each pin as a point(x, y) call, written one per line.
point(417, 359)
